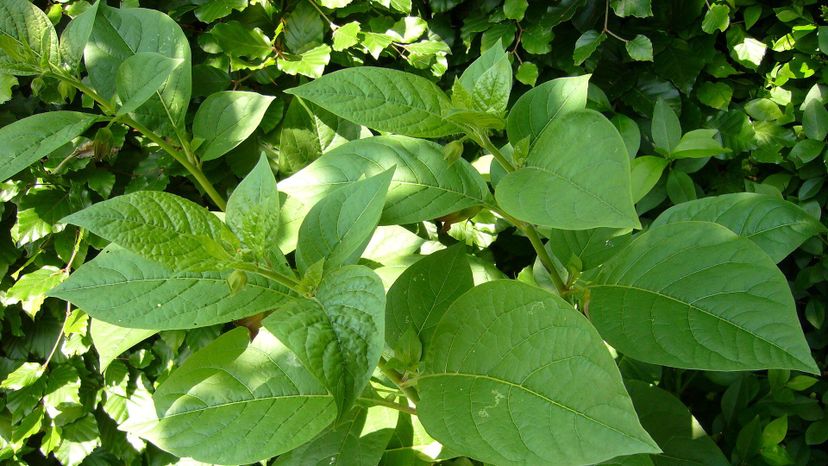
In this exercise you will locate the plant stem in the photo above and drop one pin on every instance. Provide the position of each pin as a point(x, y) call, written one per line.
point(387, 404)
point(486, 143)
point(397, 378)
point(184, 160)
point(60, 335)
point(271, 274)
point(545, 258)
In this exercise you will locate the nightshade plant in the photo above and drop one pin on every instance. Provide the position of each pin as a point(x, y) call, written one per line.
point(501, 371)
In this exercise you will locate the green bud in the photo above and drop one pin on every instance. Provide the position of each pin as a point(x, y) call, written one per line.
point(102, 143)
point(409, 349)
point(237, 280)
point(453, 151)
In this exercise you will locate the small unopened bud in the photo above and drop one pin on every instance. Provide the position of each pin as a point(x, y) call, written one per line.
point(236, 280)
point(453, 151)
point(102, 144)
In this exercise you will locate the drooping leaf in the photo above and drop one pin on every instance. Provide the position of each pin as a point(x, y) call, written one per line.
point(140, 77)
point(587, 44)
point(541, 106)
point(74, 37)
point(253, 210)
point(27, 140)
point(645, 173)
point(640, 48)
point(489, 80)
point(576, 177)
point(591, 247)
point(308, 131)
point(338, 227)
point(162, 227)
point(232, 386)
point(120, 33)
point(126, 290)
point(775, 225)
point(338, 334)
point(29, 43)
point(424, 186)
point(227, 118)
point(382, 99)
point(111, 340)
point(485, 388)
point(420, 296)
point(696, 295)
point(672, 426)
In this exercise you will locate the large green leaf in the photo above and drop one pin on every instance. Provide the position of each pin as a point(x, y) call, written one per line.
point(75, 35)
point(488, 389)
point(111, 340)
point(420, 296)
point(120, 33)
point(359, 440)
point(672, 426)
point(665, 128)
point(539, 107)
point(382, 99)
point(576, 177)
point(28, 41)
point(234, 403)
point(27, 140)
point(424, 186)
point(696, 295)
point(489, 81)
point(338, 334)
point(775, 225)
point(140, 77)
point(162, 227)
point(253, 210)
point(126, 290)
point(591, 247)
point(227, 118)
point(338, 228)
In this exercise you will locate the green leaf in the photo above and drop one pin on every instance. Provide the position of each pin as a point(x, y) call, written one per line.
point(126, 290)
point(814, 114)
point(140, 77)
point(645, 173)
point(121, 33)
point(212, 10)
point(310, 63)
point(162, 227)
point(382, 99)
point(580, 161)
point(527, 73)
point(774, 433)
point(111, 340)
point(253, 210)
point(485, 391)
point(26, 141)
point(346, 36)
point(747, 51)
point(637, 8)
point(359, 440)
point(308, 131)
point(74, 37)
point(225, 119)
point(586, 45)
point(28, 40)
point(629, 130)
point(640, 48)
point(716, 95)
point(229, 386)
point(717, 17)
point(763, 110)
point(822, 37)
point(540, 107)
point(30, 291)
point(424, 185)
point(237, 40)
point(673, 427)
point(696, 295)
point(698, 143)
point(23, 376)
point(7, 82)
point(775, 225)
point(304, 28)
point(666, 128)
point(515, 9)
point(591, 247)
point(420, 296)
point(489, 80)
point(338, 228)
point(338, 335)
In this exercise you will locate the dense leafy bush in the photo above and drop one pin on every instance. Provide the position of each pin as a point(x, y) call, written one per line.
point(466, 232)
